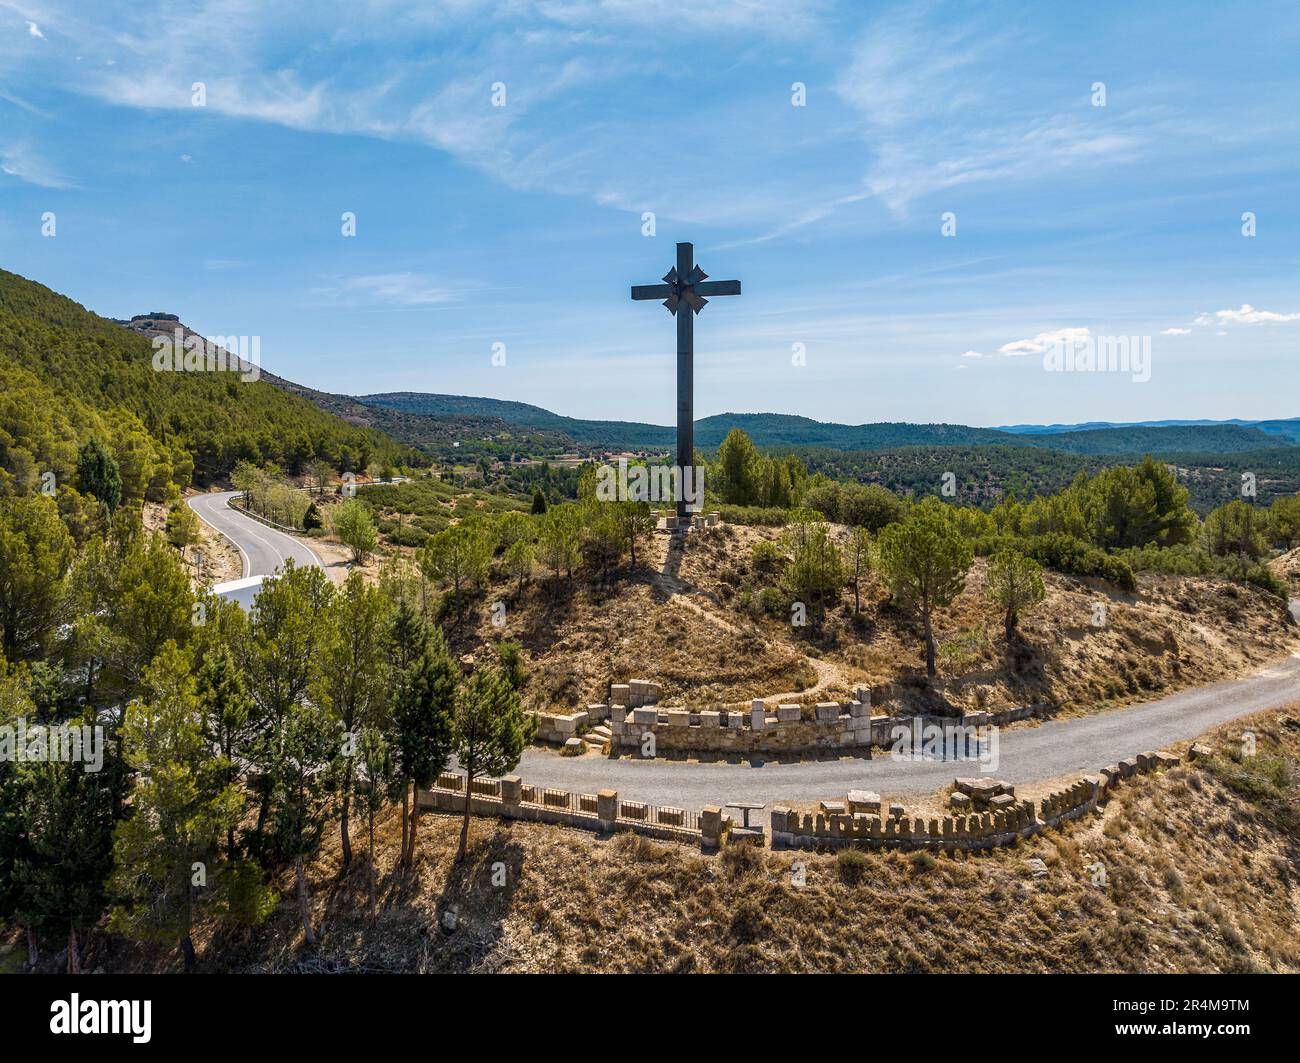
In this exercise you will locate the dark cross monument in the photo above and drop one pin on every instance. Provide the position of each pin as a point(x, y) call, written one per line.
point(685, 283)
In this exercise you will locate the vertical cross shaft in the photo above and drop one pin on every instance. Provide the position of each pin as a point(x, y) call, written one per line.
point(684, 292)
point(685, 380)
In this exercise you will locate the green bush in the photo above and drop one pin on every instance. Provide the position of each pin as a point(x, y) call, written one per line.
point(852, 864)
point(1192, 561)
point(767, 516)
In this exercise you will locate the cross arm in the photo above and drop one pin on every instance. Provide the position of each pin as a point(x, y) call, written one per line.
point(651, 291)
point(716, 288)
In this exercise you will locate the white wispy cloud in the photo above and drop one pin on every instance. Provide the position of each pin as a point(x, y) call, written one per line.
point(921, 89)
point(25, 163)
point(1248, 315)
point(1175, 331)
point(35, 30)
point(1044, 342)
point(972, 354)
point(392, 289)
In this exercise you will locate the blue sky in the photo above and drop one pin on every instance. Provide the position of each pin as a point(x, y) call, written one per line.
point(522, 224)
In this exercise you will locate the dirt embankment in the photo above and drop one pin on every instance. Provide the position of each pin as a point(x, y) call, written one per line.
point(1191, 870)
point(711, 625)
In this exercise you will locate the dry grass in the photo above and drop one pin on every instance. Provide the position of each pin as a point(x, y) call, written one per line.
point(1200, 875)
point(705, 636)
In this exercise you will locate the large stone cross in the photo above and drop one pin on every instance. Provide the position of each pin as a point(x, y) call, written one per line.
point(685, 283)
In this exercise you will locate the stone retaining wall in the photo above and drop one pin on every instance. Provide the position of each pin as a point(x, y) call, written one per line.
point(982, 830)
point(602, 812)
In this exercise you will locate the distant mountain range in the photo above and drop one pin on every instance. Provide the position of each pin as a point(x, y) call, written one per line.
point(788, 431)
point(1287, 429)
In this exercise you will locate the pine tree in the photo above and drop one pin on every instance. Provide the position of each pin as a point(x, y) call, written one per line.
point(353, 676)
point(925, 560)
point(491, 733)
point(424, 698)
point(167, 854)
point(99, 475)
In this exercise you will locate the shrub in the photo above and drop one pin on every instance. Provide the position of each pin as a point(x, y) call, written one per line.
point(852, 864)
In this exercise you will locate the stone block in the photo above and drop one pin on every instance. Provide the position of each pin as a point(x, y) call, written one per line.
point(833, 808)
point(1199, 751)
point(710, 718)
point(896, 811)
point(780, 820)
point(511, 789)
point(597, 713)
point(678, 717)
point(758, 716)
point(735, 720)
point(645, 717)
point(565, 725)
point(789, 713)
point(1002, 802)
point(711, 826)
point(607, 806)
point(828, 710)
point(864, 801)
point(617, 713)
point(860, 710)
point(620, 694)
point(959, 801)
point(574, 747)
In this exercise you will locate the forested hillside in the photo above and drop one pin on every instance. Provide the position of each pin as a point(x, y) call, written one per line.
point(70, 375)
point(787, 430)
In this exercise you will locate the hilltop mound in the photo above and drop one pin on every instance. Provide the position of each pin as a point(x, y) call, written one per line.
point(710, 627)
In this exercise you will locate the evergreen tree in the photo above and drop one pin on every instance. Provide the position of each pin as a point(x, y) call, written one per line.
point(35, 554)
point(539, 501)
point(424, 694)
point(491, 733)
point(857, 559)
point(924, 560)
point(167, 854)
point(814, 571)
point(98, 474)
point(354, 677)
point(1015, 582)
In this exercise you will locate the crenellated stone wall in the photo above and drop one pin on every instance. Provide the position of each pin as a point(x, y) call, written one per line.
point(839, 824)
point(858, 821)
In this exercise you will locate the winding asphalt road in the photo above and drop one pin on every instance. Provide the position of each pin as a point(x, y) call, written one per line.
point(1025, 754)
point(263, 550)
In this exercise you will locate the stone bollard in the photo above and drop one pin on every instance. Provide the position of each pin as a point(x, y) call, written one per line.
point(757, 715)
point(512, 791)
point(607, 808)
point(711, 827)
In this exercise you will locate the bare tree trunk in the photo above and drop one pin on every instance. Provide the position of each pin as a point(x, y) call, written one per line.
point(406, 822)
point(304, 906)
point(464, 827)
point(371, 861)
point(33, 947)
point(929, 644)
point(187, 951)
point(343, 820)
point(74, 954)
point(415, 819)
